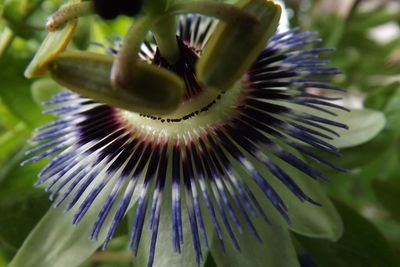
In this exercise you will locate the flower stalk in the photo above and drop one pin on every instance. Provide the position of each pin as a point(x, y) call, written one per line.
point(164, 31)
point(67, 13)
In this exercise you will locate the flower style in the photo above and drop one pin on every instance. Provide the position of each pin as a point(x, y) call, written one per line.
point(208, 157)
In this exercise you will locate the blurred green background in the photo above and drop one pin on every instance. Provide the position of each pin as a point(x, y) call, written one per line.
point(367, 37)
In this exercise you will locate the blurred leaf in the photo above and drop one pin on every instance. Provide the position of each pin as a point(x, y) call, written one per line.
point(82, 36)
point(15, 179)
point(102, 29)
point(355, 157)
point(387, 193)
point(43, 90)
point(373, 18)
point(381, 99)
point(20, 214)
point(387, 99)
point(15, 92)
point(11, 140)
point(56, 242)
point(7, 120)
point(355, 187)
point(2, 261)
point(21, 205)
point(361, 245)
point(17, 10)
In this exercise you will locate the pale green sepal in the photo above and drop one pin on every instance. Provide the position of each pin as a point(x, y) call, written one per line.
point(309, 219)
point(312, 220)
point(364, 125)
point(318, 221)
point(55, 242)
point(151, 90)
point(164, 254)
point(54, 43)
point(276, 250)
point(232, 49)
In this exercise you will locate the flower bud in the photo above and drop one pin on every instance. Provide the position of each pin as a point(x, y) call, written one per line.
point(151, 90)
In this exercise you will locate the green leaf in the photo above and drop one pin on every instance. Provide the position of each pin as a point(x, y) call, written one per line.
point(361, 245)
point(381, 98)
point(43, 89)
point(16, 13)
point(21, 205)
point(387, 100)
point(17, 10)
point(15, 92)
point(56, 242)
point(364, 125)
point(20, 213)
point(375, 17)
point(11, 140)
point(355, 157)
point(387, 193)
point(7, 119)
point(2, 260)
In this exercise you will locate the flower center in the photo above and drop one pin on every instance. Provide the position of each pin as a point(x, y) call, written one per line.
point(184, 67)
point(208, 109)
point(201, 106)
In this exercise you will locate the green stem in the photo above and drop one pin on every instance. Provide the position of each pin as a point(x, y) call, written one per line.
point(154, 7)
point(353, 10)
point(67, 13)
point(161, 21)
point(125, 62)
point(8, 35)
point(164, 28)
point(341, 27)
point(164, 31)
point(225, 12)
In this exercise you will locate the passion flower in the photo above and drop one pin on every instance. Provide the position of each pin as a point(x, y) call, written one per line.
point(207, 156)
